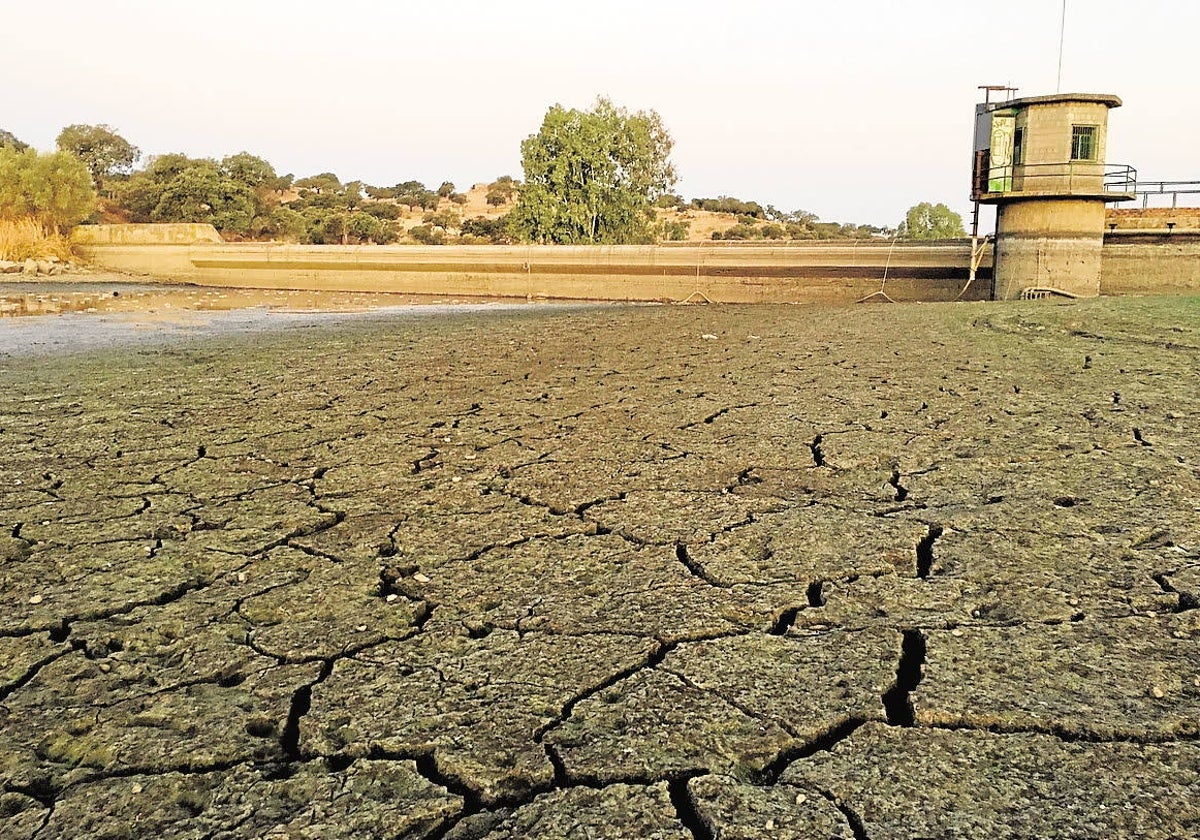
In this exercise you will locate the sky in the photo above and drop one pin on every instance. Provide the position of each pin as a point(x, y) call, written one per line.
point(853, 111)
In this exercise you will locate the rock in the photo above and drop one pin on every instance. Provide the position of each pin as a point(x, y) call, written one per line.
point(9, 267)
point(30, 266)
point(46, 267)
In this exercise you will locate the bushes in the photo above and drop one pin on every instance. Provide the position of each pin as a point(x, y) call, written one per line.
point(671, 231)
point(428, 235)
point(494, 231)
point(55, 190)
point(27, 238)
point(725, 204)
point(501, 191)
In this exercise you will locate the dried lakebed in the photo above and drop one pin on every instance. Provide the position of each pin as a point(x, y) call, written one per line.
point(882, 572)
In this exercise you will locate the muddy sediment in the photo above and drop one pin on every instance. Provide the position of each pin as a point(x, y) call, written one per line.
point(672, 572)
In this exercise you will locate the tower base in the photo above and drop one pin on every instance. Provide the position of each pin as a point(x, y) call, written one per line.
point(1049, 243)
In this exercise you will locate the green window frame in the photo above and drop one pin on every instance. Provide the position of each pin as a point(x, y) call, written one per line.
point(1083, 142)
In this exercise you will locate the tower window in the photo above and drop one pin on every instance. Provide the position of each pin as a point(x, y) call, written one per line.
point(1083, 142)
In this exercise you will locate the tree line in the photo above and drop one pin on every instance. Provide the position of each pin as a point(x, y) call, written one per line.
point(596, 176)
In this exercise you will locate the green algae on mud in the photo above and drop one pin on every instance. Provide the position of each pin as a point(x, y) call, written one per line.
point(646, 571)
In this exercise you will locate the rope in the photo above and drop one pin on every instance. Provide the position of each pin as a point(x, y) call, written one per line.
point(886, 266)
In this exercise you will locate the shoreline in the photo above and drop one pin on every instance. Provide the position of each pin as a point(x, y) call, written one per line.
point(59, 315)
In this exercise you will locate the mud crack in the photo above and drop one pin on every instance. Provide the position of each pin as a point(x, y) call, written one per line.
point(897, 701)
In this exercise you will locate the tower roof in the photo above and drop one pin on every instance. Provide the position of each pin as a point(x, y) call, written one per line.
point(1053, 99)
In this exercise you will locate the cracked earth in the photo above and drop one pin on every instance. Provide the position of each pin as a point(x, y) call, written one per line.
point(895, 572)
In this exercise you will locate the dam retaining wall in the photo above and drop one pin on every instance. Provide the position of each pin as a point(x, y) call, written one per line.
point(1133, 262)
point(718, 272)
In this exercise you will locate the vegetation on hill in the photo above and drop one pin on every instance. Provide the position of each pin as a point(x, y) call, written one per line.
point(602, 175)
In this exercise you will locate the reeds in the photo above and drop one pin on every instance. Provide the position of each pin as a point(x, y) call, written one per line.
point(25, 238)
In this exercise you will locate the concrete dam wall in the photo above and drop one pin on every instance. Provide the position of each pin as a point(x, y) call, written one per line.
point(719, 272)
point(1140, 261)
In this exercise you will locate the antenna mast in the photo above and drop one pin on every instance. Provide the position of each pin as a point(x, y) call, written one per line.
point(1062, 39)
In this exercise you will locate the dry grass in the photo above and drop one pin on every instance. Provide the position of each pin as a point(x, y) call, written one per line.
point(21, 239)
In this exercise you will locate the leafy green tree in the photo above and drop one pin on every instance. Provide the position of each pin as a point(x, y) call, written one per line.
point(56, 188)
point(671, 231)
point(415, 194)
point(9, 140)
point(725, 204)
point(931, 221)
point(446, 189)
point(428, 235)
point(501, 191)
point(592, 176)
point(175, 188)
point(495, 230)
point(363, 227)
point(105, 152)
point(444, 219)
point(322, 183)
point(385, 212)
point(742, 230)
point(250, 170)
point(287, 224)
point(351, 194)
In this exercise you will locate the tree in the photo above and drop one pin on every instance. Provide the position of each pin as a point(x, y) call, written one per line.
point(250, 170)
point(351, 194)
point(287, 224)
point(501, 191)
point(444, 219)
point(202, 193)
point(10, 141)
point(446, 189)
point(495, 230)
point(324, 182)
point(54, 188)
point(931, 221)
point(104, 151)
point(592, 176)
point(428, 235)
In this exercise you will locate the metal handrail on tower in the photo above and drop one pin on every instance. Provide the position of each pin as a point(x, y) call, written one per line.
point(1172, 188)
point(1054, 178)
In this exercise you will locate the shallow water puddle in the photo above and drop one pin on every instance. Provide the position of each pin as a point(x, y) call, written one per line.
point(32, 299)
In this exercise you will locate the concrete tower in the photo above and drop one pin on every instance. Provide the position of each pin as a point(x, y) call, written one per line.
point(1041, 161)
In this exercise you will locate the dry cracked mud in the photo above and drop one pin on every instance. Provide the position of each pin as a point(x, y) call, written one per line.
point(655, 572)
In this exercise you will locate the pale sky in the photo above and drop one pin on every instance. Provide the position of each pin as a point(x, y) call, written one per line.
point(853, 111)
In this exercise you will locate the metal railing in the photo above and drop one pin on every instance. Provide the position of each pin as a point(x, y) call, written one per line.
point(1067, 178)
point(1146, 189)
